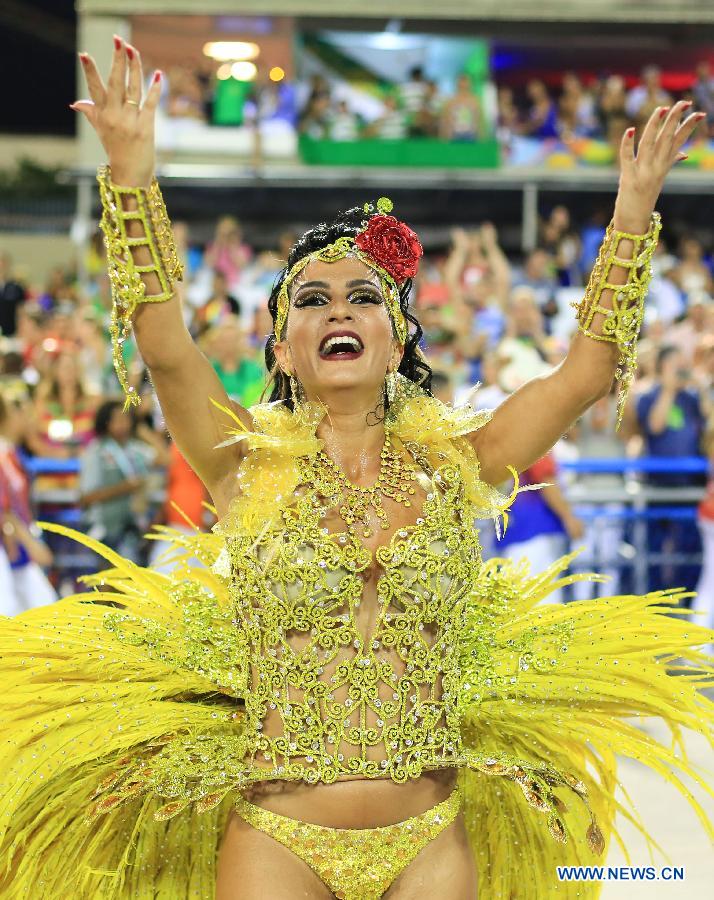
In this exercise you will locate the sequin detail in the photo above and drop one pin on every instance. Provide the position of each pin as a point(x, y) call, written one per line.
point(355, 863)
point(126, 276)
point(338, 692)
point(623, 319)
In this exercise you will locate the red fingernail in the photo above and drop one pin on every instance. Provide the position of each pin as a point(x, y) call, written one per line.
point(701, 115)
point(83, 57)
point(129, 51)
point(630, 132)
point(157, 76)
point(663, 112)
point(683, 157)
point(688, 104)
point(117, 42)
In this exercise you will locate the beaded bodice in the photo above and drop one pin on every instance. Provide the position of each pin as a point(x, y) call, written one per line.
point(351, 650)
point(327, 694)
point(313, 655)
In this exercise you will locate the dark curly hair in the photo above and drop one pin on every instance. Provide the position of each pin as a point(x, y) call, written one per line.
point(347, 224)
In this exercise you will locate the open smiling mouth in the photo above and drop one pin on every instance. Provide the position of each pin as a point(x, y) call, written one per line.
point(345, 345)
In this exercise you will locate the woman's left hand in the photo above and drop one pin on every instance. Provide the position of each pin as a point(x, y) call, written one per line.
point(642, 174)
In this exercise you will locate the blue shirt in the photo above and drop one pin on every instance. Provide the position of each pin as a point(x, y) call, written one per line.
point(488, 320)
point(530, 516)
point(681, 437)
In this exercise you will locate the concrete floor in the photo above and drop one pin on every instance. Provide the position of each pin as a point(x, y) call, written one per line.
point(672, 823)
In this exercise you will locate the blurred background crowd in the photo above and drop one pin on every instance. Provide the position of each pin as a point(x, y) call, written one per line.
point(601, 105)
point(489, 318)
point(294, 89)
point(269, 123)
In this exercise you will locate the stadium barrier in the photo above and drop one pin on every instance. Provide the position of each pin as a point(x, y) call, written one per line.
point(617, 517)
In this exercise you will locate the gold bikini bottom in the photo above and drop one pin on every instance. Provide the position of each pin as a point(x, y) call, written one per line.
point(355, 863)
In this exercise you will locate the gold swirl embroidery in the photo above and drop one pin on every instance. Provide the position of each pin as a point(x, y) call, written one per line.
point(337, 691)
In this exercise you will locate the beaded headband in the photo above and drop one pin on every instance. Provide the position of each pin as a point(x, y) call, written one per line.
point(386, 245)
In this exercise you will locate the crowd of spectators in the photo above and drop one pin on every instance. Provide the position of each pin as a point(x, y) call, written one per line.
point(602, 107)
point(520, 324)
point(487, 318)
point(200, 91)
point(413, 108)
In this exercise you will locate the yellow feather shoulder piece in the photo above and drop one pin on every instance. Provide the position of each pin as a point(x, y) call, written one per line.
point(268, 473)
point(424, 419)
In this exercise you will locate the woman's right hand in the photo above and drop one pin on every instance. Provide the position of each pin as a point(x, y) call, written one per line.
point(124, 124)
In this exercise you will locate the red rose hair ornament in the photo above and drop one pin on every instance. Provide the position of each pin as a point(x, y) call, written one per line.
point(391, 243)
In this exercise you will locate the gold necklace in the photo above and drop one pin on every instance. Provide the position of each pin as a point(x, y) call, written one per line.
point(354, 502)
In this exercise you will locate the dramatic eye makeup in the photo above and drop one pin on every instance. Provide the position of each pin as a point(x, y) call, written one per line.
point(316, 293)
point(364, 291)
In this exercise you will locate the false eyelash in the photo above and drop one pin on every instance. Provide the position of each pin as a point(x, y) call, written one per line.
point(305, 301)
point(370, 297)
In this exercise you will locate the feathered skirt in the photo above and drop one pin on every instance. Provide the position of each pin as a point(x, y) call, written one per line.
point(92, 807)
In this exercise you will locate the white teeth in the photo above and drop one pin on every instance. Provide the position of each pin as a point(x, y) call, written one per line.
point(341, 339)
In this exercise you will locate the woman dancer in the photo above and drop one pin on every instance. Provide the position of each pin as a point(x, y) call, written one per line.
point(346, 701)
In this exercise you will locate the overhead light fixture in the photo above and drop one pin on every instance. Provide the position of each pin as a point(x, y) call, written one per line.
point(276, 73)
point(243, 71)
point(224, 72)
point(227, 51)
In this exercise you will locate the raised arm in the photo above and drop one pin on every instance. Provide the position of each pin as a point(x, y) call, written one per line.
point(469, 344)
point(184, 379)
point(529, 423)
point(497, 262)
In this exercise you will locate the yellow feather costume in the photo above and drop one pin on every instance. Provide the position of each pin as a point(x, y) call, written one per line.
point(127, 711)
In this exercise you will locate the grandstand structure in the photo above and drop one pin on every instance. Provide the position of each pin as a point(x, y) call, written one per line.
point(234, 171)
point(650, 11)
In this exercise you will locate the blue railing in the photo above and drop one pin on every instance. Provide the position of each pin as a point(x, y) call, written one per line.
point(629, 506)
point(37, 465)
point(675, 513)
point(648, 465)
point(40, 465)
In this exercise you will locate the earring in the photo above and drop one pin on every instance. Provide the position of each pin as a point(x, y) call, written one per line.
point(390, 381)
point(297, 395)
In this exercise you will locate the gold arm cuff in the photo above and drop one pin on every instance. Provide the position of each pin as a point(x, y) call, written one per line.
point(125, 276)
point(622, 322)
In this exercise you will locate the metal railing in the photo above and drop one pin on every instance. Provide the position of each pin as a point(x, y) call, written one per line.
point(633, 504)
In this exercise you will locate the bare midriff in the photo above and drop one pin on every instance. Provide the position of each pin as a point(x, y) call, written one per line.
point(354, 802)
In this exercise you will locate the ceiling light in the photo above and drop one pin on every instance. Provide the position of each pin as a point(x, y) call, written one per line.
point(276, 74)
point(225, 51)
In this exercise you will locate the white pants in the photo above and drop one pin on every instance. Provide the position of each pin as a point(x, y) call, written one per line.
point(540, 552)
point(8, 599)
point(602, 541)
point(704, 601)
point(32, 586)
point(26, 587)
